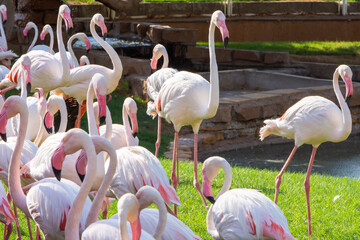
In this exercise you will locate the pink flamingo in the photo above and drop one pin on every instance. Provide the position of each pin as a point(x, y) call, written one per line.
point(188, 98)
point(47, 29)
point(31, 25)
point(313, 120)
point(240, 213)
point(46, 72)
point(154, 83)
point(82, 37)
point(80, 77)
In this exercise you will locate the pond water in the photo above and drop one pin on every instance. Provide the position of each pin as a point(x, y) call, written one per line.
point(114, 42)
point(336, 159)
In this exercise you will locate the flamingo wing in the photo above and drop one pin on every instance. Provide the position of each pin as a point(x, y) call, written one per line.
point(155, 81)
point(5, 208)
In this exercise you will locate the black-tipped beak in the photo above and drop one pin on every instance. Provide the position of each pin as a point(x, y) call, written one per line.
point(4, 22)
point(81, 176)
point(3, 136)
point(226, 41)
point(347, 100)
point(134, 134)
point(210, 198)
point(102, 119)
point(42, 42)
point(28, 87)
point(49, 130)
point(70, 31)
point(57, 173)
point(87, 51)
point(104, 37)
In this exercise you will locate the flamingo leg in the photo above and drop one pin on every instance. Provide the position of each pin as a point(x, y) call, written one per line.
point(37, 234)
point(7, 229)
point(29, 228)
point(278, 177)
point(158, 141)
point(174, 171)
point(196, 181)
point(17, 223)
point(307, 187)
point(81, 111)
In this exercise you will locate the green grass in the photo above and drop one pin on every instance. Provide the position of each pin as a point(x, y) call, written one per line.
point(330, 220)
point(298, 48)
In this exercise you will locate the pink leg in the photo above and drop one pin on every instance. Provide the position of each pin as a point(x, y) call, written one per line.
point(37, 233)
point(17, 223)
point(158, 141)
point(174, 178)
point(278, 177)
point(78, 119)
point(29, 228)
point(307, 187)
point(196, 181)
point(7, 229)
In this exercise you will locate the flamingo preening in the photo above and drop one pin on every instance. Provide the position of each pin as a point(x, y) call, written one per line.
point(154, 83)
point(187, 99)
point(240, 213)
point(313, 120)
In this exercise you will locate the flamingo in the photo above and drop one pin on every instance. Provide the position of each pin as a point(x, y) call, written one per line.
point(188, 98)
point(122, 135)
point(313, 120)
point(31, 25)
point(46, 72)
point(5, 210)
point(84, 60)
point(47, 29)
point(80, 77)
point(154, 83)
point(82, 37)
point(149, 217)
point(240, 213)
point(3, 15)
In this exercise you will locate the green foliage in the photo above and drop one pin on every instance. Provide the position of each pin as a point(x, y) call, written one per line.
point(299, 48)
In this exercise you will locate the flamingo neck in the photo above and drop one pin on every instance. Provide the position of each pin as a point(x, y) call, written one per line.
point(166, 59)
point(228, 177)
point(3, 37)
point(160, 228)
point(51, 46)
point(128, 131)
point(63, 119)
point(97, 203)
point(211, 226)
point(35, 36)
point(213, 101)
point(90, 110)
point(345, 129)
point(108, 122)
point(14, 182)
point(23, 93)
point(115, 59)
point(64, 60)
point(70, 49)
point(74, 215)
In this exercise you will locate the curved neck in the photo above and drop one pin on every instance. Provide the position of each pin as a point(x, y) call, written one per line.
point(3, 37)
point(115, 59)
point(14, 182)
point(210, 224)
point(40, 134)
point(108, 127)
point(162, 218)
point(166, 60)
point(64, 60)
point(63, 119)
point(69, 47)
point(35, 36)
point(345, 129)
point(51, 34)
point(213, 101)
point(227, 182)
point(23, 92)
point(126, 123)
point(74, 215)
point(90, 110)
point(97, 203)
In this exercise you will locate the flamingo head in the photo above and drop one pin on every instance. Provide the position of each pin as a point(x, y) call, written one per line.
point(131, 109)
point(129, 206)
point(99, 20)
point(64, 12)
point(218, 18)
point(57, 159)
point(86, 41)
point(84, 60)
point(3, 11)
point(49, 117)
point(100, 86)
point(158, 51)
point(41, 100)
point(44, 31)
point(25, 63)
point(12, 106)
point(346, 74)
point(209, 171)
point(27, 28)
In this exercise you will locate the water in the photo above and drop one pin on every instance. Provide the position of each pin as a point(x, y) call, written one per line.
point(336, 159)
point(114, 42)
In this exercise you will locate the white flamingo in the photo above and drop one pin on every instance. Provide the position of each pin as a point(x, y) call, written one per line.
point(3, 15)
point(46, 72)
point(313, 120)
point(84, 60)
point(82, 37)
point(30, 25)
point(240, 213)
point(154, 83)
point(188, 98)
point(47, 29)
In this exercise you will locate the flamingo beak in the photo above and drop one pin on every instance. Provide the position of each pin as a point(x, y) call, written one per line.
point(134, 124)
point(206, 189)
point(136, 229)
point(224, 32)
point(154, 63)
point(102, 107)
point(27, 77)
point(3, 122)
point(80, 165)
point(57, 160)
point(48, 122)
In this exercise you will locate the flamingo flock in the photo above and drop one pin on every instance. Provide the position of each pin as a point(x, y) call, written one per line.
point(62, 180)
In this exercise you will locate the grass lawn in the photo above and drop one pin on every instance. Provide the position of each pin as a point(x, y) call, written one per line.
point(330, 220)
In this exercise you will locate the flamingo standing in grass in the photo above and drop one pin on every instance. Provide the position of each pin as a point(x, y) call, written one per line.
point(46, 72)
point(240, 213)
point(154, 83)
point(5, 210)
point(188, 98)
point(313, 120)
